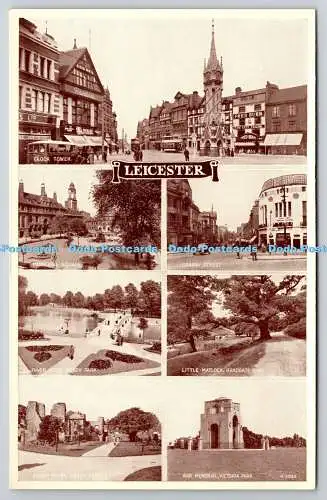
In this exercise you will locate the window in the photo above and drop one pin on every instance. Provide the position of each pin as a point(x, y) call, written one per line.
point(27, 60)
point(276, 209)
point(49, 63)
point(34, 100)
point(257, 120)
point(289, 206)
point(257, 107)
point(276, 112)
point(42, 66)
point(292, 110)
point(65, 109)
point(241, 109)
point(20, 96)
point(242, 121)
point(291, 124)
point(276, 127)
point(304, 188)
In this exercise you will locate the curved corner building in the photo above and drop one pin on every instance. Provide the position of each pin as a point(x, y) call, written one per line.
point(283, 211)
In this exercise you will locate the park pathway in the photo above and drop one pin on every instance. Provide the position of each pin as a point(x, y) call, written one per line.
point(100, 451)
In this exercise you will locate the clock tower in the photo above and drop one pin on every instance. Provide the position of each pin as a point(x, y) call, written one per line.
point(212, 139)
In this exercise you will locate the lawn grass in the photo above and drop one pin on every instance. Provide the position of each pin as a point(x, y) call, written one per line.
point(280, 464)
point(128, 449)
point(147, 474)
point(215, 361)
point(65, 449)
point(36, 367)
point(117, 366)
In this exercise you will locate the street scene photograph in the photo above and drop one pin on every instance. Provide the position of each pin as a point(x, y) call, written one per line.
point(239, 92)
point(237, 430)
point(81, 220)
point(73, 326)
point(65, 436)
point(250, 220)
point(236, 326)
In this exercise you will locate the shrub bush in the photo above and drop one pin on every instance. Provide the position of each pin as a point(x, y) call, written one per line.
point(297, 329)
point(100, 364)
point(42, 356)
point(156, 347)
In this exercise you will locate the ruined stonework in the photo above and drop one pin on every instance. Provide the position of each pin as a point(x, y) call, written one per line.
point(35, 412)
point(221, 425)
point(59, 411)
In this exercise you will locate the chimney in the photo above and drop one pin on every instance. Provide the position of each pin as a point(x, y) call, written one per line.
point(21, 186)
point(55, 196)
point(43, 193)
point(238, 90)
point(195, 92)
point(75, 46)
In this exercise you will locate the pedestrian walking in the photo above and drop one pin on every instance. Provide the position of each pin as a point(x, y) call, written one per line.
point(71, 352)
point(99, 332)
point(186, 154)
point(141, 155)
point(254, 253)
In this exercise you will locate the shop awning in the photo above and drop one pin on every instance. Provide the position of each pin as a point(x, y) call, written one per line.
point(77, 140)
point(94, 140)
point(283, 139)
point(245, 143)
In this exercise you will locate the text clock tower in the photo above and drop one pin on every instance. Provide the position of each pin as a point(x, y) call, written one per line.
point(212, 140)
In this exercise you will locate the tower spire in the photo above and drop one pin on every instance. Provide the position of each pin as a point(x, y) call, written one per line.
point(212, 61)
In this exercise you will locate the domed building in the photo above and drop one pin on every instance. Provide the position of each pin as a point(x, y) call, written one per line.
point(283, 211)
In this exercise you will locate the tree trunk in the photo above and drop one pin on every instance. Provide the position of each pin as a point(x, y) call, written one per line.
point(137, 258)
point(264, 330)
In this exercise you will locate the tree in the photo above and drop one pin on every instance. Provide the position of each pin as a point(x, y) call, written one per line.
point(59, 224)
point(187, 297)
point(77, 226)
point(44, 299)
point(31, 299)
point(50, 427)
point(55, 298)
point(135, 205)
point(115, 297)
point(133, 420)
point(258, 299)
point(78, 300)
point(151, 291)
point(131, 296)
point(68, 299)
point(22, 302)
point(143, 324)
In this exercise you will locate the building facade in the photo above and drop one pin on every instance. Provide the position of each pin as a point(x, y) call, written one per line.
point(286, 121)
point(221, 425)
point(39, 89)
point(82, 95)
point(108, 121)
point(265, 120)
point(283, 211)
point(186, 224)
point(36, 212)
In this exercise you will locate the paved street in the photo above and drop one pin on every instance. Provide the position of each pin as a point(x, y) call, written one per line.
point(42, 467)
point(254, 159)
point(229, 262)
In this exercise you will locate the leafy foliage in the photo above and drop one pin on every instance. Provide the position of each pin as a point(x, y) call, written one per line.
point(133, 420)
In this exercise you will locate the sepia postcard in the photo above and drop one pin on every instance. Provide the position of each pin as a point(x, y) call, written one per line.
point(162, 187)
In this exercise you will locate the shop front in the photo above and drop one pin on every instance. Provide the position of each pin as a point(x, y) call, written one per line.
point(35, 127)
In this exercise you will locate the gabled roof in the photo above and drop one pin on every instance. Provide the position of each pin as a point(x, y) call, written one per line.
point(69, 59)
point(155, 112)
point(288, 94)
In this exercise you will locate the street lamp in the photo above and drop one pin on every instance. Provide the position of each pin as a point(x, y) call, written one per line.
point(284, 211)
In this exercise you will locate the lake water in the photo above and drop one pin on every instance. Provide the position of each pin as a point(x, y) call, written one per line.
point(51, 320)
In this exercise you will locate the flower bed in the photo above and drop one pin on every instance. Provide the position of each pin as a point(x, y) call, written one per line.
point(94, 364)
point(43, 348)
point(27, 335)
point(42, 356)
point(38, 359)
point(124, 358)
point(100, 364)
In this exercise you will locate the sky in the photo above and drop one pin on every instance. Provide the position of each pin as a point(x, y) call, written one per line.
point(103, 396)
point(234, 195)
point(58, 182)
point(96, 282)
point(268, 406)
point(145, 58)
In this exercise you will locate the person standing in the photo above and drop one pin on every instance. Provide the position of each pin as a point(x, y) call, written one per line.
point(186, 154)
